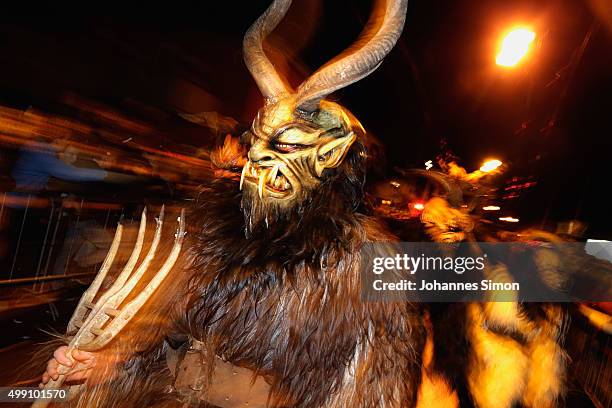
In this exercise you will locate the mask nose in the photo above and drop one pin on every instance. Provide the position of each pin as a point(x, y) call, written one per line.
point(259, 156)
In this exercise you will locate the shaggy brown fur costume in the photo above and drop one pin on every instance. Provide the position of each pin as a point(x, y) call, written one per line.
point(281, 298)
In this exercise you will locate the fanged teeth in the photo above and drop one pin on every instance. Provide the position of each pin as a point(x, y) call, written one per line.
point(263, 177)
point(244, 171)
point(280, 182)
point(273, 174)
point(270, 176)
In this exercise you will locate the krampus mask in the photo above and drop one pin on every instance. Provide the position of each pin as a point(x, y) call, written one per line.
point(298, 140)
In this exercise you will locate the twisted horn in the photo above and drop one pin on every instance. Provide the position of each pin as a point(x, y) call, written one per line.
point(360, 59)
point(268, 80)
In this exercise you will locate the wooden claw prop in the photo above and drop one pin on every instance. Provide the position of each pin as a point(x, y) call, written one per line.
point(100, 321)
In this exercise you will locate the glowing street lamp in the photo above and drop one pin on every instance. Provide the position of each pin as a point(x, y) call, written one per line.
point(490, 165)
point(514, 47)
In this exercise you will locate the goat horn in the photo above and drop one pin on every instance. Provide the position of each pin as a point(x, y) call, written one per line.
point(359, 60)
point(271, 85)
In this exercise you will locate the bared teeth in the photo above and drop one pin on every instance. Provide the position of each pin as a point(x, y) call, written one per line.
point(266, 176)
point(277, 182)
point(274, 173)
point(263, 178)
point(281, 183)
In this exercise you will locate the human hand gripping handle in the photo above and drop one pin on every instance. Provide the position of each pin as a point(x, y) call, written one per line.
point(74, 366)
point(67, 364)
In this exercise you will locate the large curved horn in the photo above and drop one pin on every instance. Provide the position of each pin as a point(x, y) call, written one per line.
point(269, 82)
point(360, 59)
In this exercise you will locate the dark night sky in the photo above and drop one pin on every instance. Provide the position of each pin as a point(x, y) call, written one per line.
point(440, 81)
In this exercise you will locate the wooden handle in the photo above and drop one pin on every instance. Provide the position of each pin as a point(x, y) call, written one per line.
point(56, 384)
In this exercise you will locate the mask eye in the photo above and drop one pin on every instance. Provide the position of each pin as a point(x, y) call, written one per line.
point(287, 147)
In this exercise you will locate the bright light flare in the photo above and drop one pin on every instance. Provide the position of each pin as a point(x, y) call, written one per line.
point(508, 219)
point(419, 206)
point(490, 165)
point(491, 208)
point(514, 47)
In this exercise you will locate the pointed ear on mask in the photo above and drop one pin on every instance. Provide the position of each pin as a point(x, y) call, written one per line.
point(331, 153)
